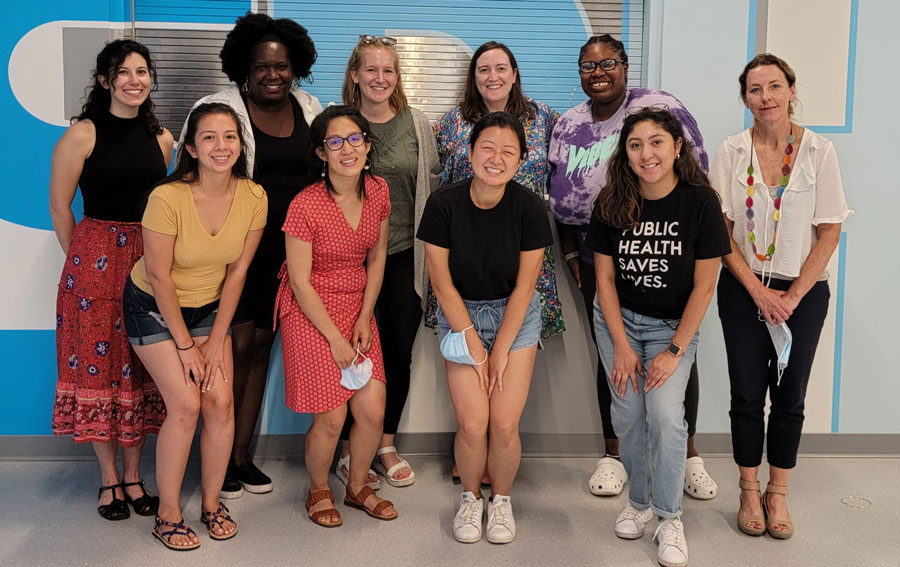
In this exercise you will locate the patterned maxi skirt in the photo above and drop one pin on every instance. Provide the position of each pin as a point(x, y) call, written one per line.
point(103, 392)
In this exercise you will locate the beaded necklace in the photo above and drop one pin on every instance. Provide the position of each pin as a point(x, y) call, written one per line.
point(782, 183)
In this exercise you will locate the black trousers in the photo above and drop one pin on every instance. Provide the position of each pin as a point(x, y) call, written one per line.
point(691, 395)
point(398, 313)
point(753, 371)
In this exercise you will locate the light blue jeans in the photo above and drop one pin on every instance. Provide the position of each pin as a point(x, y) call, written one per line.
point(651, 426)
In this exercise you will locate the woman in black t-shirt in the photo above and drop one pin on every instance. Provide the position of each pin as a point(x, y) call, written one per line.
point(657, 236)
point(484, 241)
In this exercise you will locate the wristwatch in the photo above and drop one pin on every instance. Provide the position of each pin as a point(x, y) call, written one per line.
point(674, 349)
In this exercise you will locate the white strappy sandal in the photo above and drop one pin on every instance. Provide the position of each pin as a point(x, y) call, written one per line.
point(389, 473)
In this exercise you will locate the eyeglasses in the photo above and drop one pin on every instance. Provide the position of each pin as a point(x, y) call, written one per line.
point(370, 39)
point(605, 64)
point(658, 107)
point(334, 143)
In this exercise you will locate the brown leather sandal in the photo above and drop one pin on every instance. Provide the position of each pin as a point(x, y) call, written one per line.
point(322, 517)
point(772, 522)
point(358, 502)
point(744, 521)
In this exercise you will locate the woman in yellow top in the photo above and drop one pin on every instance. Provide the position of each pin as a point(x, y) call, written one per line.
point(201, 228)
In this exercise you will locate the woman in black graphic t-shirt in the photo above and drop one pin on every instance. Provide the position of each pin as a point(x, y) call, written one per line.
point(484, 241)
point(657, 235)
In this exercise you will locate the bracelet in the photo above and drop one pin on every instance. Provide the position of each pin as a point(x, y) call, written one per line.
point(193, 344)
point(571, 255)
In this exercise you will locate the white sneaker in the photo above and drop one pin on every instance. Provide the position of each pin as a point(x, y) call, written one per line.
point(697, 482)
point(672, 551)
point(467, 523)
point(609, 477)
point(501, 526)
point(630, 523)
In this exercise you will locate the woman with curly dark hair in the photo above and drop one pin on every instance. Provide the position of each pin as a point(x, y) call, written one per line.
point(115, 151)
point(657, 238)
point(266, 59)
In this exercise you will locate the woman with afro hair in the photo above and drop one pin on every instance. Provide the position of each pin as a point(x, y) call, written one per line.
point(265, 59)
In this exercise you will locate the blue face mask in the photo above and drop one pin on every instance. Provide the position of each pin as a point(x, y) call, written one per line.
point(455, 349)
point(781, 339)
point(356, 375)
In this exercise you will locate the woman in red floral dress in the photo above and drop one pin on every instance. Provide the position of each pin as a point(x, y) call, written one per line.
point(336, 242)
point(115, 152)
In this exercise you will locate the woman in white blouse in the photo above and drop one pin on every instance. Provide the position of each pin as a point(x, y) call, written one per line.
point(784, 204)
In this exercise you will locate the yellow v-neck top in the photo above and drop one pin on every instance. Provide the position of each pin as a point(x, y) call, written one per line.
point(200, 259)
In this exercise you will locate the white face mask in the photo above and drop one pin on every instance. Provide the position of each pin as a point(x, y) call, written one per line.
point(356, 375)
point(781, 339)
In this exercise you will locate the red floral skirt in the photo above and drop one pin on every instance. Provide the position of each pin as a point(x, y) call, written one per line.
point(103, 392)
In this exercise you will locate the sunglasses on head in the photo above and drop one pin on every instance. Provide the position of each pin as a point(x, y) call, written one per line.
point(334, 143)
point(370, 39)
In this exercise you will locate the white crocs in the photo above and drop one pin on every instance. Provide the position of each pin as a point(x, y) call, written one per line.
point(697, 482)
point(609, 477)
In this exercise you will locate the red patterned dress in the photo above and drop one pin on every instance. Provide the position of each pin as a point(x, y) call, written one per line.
point(102, 391)
point(312, 379)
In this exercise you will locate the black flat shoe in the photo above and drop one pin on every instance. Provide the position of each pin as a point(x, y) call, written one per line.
point(146, 505)
point(115, 510)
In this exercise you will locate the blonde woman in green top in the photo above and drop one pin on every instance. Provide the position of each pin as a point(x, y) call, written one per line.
point(404, 153)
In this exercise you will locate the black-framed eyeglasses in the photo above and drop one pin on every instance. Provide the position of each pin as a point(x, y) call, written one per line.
point(369, 39)
point(605, 64)
point(334, 143)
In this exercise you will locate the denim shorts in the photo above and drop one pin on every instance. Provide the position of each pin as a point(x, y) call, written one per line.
point(144, 324)
point(486, 316)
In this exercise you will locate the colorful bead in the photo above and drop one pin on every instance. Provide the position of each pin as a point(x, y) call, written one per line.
point(751, 225)
point(776, 216)
point(750, 170)
point(749, 202)
point(777, 202)
point(750, 190)
point(750, 180)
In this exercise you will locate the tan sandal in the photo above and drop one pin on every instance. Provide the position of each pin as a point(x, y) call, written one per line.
point(772, 522)
point(744, 521)
point(322, 517)
point(358, 501)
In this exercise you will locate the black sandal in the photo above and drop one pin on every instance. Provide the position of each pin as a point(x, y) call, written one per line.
point(146, 505)
point(115, 510)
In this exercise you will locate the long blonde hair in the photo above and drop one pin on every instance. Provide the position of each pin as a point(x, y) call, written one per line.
point(350, 90)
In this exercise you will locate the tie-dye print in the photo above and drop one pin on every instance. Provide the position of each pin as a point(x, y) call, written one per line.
point(580, 149)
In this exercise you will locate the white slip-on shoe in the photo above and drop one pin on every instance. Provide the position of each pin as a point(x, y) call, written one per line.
point(501, 525)
point(630, 523)
point(697, 482)
point(467, 523)
point(672, 551)
point(609, 477)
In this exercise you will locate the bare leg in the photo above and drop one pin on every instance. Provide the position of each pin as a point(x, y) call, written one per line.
point(216, 436)
point(367, 405)
point(470, 448)
point(505, 450)
point(750, 498)
point(109, 472)
point(391, 459)
point(691, 450)
point(776, 502)
point(173, 443)
point(131, 457)
point(321, 440)
point(247, 404)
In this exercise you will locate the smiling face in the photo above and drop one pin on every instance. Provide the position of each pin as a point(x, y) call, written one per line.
point(348, 161)
point(605, 88)
point(217, 144)
point(495, 155)
point(768, 96)
point(494, 78)
point(651, 152)
point(270, 74)
point(129, 87)
point(376, 75)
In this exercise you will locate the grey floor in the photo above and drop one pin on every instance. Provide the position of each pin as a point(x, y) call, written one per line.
point(47, 518)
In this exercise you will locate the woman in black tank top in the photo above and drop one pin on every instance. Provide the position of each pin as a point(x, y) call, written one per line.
point(115, 151)
point(266, 59)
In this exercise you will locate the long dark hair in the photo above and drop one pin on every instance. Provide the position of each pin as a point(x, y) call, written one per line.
point(619, 202)
point(186, 165)
point(473, 107)
point(317, 131)
point(109, 60)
